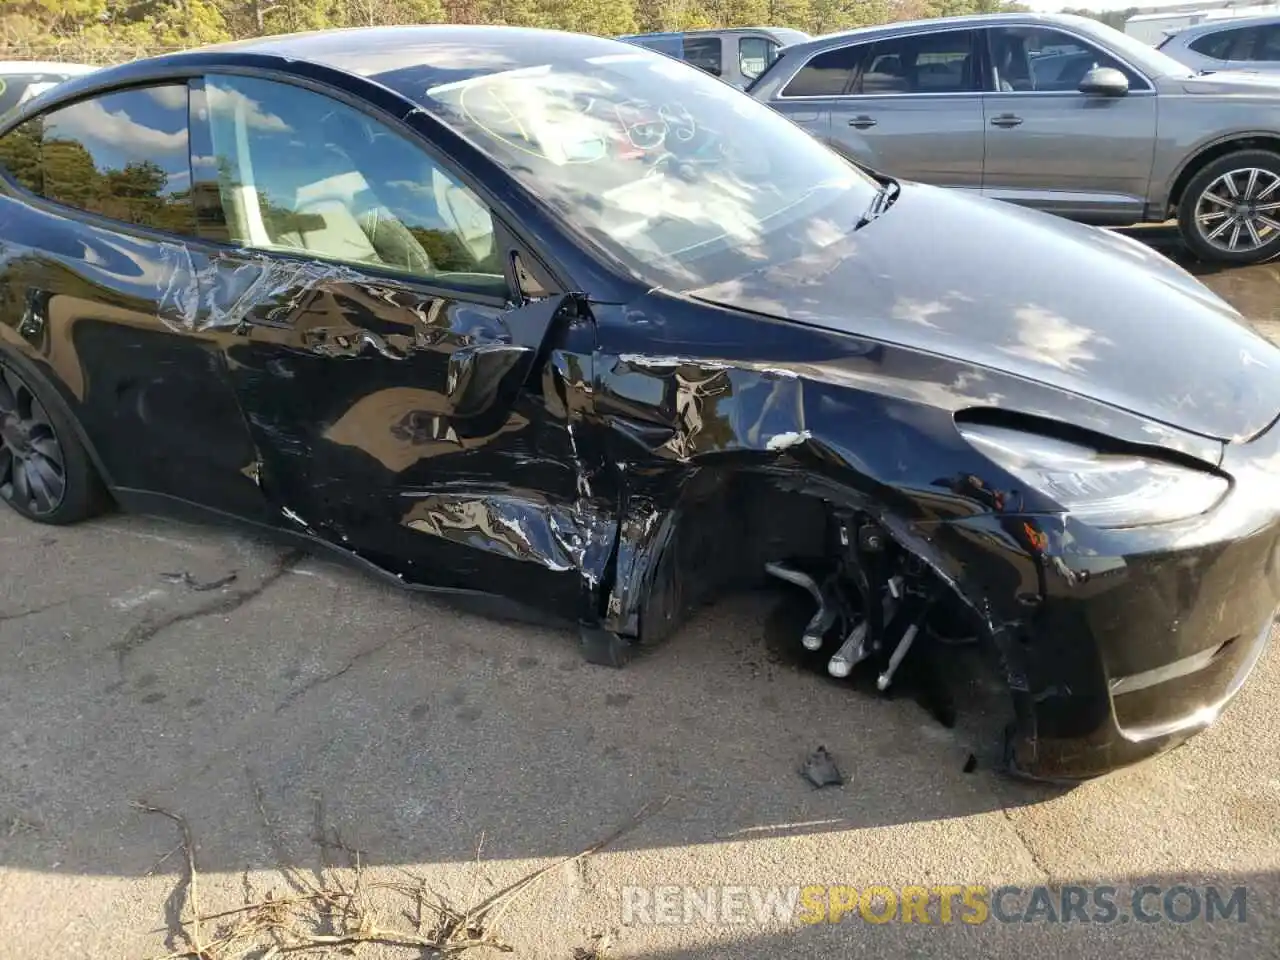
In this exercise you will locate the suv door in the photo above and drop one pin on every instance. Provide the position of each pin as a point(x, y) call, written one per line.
point(1052, 147)
point(101, 265)
point(382, 362)
point(808, 97)
point(915, 108)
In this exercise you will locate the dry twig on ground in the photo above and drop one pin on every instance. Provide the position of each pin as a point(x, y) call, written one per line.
point(336, 914)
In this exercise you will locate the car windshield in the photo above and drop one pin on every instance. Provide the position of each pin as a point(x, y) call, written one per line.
point(676, 174)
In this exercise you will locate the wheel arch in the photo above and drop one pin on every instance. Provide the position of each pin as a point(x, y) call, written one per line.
point(1208, 153)
point(32, 367)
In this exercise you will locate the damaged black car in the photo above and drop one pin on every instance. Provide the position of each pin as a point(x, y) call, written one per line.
point(556, 319)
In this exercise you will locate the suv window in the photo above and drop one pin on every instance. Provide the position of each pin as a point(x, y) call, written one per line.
point(1039, 59)
point(1268, 47)
point(1234, 44)
point(826, 75)
point(121, 155)
point(754, 55)
point(926, 63)
point(705, 53)
point(671, 46)
point(297, 172)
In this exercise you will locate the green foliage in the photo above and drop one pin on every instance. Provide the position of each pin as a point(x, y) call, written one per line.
point(20, 154)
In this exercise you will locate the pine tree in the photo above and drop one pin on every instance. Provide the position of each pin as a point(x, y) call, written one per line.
point(746, 13)
point(826, 16)
point(797, 14)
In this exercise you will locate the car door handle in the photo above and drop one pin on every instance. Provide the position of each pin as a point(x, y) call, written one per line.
point(862, 122)
point(1006, 120)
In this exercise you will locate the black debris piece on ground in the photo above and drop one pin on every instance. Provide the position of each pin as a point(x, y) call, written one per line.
point(971, 764)
point(820, 769)
point(188, 580)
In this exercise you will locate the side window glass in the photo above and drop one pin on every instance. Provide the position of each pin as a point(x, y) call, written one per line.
point(294, 171)
point(1039, 60)
point(20, 154)
point(826, 75)
point(754, 54)
point(122, 155)
point(1212, 44)
point(928, 63)
point(1227, 44)
point(1269, 44)
point(668, 45)
point(705, 54)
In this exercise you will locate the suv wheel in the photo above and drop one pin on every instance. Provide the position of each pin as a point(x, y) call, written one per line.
point(45, 473)
point(1230, 211)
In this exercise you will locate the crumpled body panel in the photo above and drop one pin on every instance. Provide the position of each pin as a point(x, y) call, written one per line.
point(614, 460)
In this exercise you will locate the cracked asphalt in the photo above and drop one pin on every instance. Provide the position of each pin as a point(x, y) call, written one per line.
point(303, 710)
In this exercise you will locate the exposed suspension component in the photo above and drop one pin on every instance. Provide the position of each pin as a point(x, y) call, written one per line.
point(887, 581)
point(859, 644)
point(903, 647)
point(828, 612)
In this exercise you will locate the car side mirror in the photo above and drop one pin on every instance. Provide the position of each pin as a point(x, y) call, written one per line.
point(1104, 82)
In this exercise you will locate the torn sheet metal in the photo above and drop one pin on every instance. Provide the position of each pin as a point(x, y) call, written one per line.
point(711, 407)
point(214, 296)
point(560, 537)
point(402, 426)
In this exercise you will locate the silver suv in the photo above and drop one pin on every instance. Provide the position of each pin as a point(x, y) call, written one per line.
point(1051, 111)
point(1251, 44)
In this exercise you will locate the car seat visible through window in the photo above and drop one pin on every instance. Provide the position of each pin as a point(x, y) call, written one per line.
point(1012, 65)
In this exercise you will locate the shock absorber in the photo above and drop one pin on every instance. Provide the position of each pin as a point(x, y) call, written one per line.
point(856, 646)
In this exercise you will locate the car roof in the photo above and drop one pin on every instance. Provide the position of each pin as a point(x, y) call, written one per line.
point(939, 23)
point(409, 60)
point(444, 49)
point(714, 31)
point(1225, 23)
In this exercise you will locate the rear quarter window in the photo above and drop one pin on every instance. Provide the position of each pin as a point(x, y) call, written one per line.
point(120, 155)
point(826, 75)
point(705, 53)
point(1226, 44)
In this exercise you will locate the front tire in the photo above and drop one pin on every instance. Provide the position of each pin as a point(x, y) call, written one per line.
point(45, 472)
point(1230, 211)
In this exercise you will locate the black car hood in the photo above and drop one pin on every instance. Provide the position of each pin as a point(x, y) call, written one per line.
point(1081, 309)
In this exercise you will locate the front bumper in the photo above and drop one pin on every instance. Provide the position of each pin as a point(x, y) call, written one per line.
point(1119, 644)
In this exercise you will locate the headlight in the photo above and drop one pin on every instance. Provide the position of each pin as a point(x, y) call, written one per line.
point(1103, 489)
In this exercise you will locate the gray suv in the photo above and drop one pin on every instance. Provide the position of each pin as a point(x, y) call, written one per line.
point(1051, 111)
point(1250, 44)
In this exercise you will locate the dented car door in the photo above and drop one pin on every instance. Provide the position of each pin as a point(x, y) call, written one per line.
point(383, 354)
